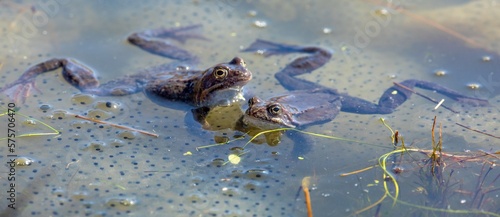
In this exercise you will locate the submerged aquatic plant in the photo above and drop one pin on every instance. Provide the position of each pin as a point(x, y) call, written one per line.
point(435, 174)
point(437, 179)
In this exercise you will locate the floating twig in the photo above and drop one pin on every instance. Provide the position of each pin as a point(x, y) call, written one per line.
point(116, 125)
point(439, 104)
point(424, 96)
point(477, 131)
point(306, 181)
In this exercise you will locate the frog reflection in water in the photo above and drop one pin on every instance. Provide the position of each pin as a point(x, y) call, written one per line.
point(310, 103)
point(216, 85)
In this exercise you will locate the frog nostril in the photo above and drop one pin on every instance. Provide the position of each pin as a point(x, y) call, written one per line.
point(240, 73)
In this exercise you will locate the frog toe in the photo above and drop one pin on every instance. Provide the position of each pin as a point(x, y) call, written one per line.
point(19, 92)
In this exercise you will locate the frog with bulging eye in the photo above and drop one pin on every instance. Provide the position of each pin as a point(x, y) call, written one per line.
point(220, 84)
point(309, 103)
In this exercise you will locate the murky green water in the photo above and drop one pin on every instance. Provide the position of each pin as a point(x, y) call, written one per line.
point(98, 170)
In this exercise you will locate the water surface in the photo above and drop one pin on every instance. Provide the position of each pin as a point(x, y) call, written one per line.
point(98, 170)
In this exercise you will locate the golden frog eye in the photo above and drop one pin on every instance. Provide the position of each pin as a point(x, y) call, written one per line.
point(220, 73)
point(274, 109)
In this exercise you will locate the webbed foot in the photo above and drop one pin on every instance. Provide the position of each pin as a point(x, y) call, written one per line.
point(20, 90)
point(74, 72)
point(400, 92)
point(148, 41)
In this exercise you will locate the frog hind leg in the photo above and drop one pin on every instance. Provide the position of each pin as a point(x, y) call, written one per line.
point(74, 72)
point(357, 105)
point(153, 41)
point(397, 95)
point(317, 58)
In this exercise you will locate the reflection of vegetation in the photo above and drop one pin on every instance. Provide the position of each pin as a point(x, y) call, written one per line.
point(437, 180)
point(273, 137)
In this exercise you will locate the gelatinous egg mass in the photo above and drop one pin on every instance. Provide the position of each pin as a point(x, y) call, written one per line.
point(105, 165)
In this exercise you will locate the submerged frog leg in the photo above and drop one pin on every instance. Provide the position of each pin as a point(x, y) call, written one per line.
point(306, 64)
point(75, 73)
point(153, 41)
point(396, 95)
point(357, 105)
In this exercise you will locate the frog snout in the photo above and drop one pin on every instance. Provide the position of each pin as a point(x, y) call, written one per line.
point(243, 73)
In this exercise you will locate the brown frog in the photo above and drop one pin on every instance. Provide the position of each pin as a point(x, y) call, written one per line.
point(297, 108)
point(219, 84)
point(313, 103)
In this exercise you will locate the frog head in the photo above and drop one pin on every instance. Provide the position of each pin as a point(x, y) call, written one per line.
point(223, 80)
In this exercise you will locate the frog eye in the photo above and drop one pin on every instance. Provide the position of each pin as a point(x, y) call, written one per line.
point(274, 109)
point(220, 73)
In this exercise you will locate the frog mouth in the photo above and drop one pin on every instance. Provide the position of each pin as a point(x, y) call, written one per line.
point(235, 93)
point(262, 124)
point(222, 89)
point(223, 96)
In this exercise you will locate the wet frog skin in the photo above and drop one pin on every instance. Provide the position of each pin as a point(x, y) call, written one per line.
point(297, 108)
point(302, 108)
point(169, 81)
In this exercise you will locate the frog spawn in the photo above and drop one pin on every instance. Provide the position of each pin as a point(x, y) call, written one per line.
point(122, 172)
point(67, 180)
point(103, 170)
point(97, 170)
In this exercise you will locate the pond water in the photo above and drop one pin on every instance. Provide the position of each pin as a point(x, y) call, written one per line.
point(93, 169)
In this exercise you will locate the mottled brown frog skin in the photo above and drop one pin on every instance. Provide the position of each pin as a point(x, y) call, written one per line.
point(312, 103)
point(201, 88)
point(297, 108)
point(169, 81)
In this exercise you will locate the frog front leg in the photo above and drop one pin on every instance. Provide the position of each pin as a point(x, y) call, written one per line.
point(152, 41)
point(75, 73)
